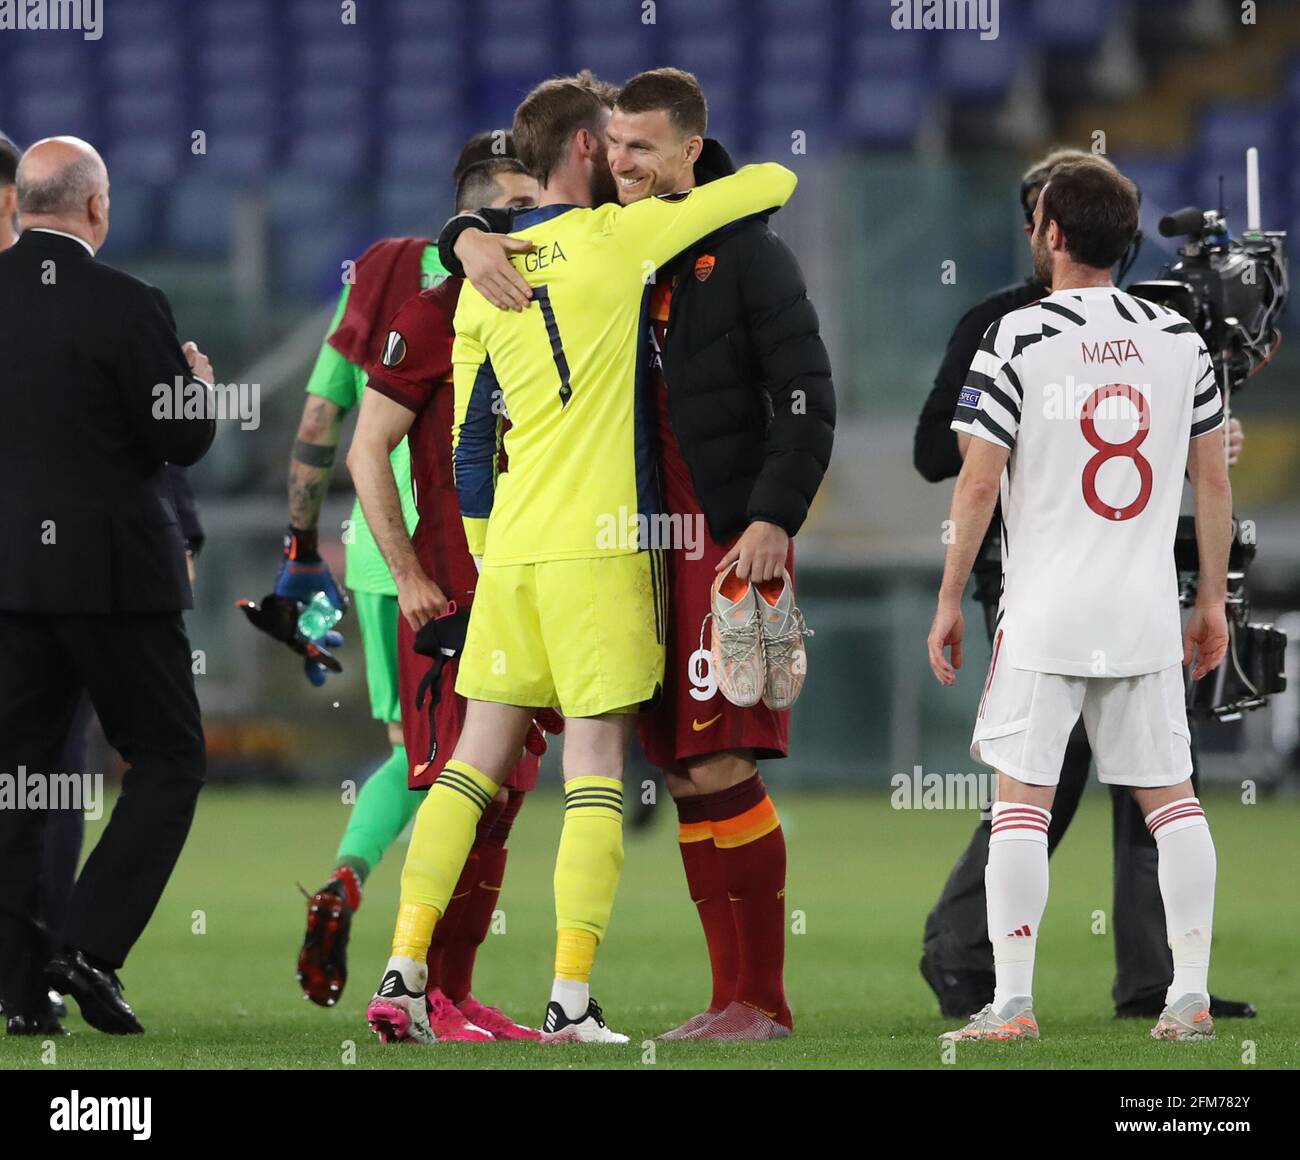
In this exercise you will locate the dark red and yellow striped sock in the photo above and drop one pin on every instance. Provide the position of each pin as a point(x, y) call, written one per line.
point(709, 893)
point(441, 959)
point(482, 890)
point(751, 851)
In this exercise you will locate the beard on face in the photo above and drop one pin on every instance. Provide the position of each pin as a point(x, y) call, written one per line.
point(604, 189)
point(1042, 259)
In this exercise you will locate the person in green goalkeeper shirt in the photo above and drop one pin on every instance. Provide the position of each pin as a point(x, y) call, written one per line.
point(386, 275)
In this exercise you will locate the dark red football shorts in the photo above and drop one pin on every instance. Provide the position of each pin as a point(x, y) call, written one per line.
point(692, 718)
point(448, 718)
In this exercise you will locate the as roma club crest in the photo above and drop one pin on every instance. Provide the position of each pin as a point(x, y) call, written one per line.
point(704, 267)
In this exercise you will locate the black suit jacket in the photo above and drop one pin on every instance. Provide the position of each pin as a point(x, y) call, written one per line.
point(88, 519)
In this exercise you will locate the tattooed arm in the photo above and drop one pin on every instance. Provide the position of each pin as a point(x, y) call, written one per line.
point(313, 459)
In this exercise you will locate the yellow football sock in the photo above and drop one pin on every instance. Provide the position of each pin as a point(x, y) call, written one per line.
point(440, 843)
point(414, 930)
point(587, 869)
point(575, 952)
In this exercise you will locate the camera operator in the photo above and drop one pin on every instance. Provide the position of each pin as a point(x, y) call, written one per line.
point(957, 961)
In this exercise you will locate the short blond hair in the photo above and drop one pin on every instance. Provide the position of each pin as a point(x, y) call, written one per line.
point(552, 113)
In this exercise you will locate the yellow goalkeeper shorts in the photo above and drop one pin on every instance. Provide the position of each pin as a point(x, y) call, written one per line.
point(582, 636)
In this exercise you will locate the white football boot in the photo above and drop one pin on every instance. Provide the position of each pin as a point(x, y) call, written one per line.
point(736, 647)
point(557, 1027)
point(398, 1012)
point(784, 630)
point(1014, 1022)
point(1185, 1020)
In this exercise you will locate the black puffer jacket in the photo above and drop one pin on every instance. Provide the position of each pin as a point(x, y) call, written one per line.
point(749, 381)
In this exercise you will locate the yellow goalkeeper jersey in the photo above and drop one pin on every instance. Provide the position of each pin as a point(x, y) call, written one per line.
point(566, 373)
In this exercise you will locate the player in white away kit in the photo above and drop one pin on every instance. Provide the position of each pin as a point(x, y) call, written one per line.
point(1086, 408)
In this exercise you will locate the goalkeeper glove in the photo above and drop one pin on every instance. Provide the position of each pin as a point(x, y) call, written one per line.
point(303, 573)
point(277, 616)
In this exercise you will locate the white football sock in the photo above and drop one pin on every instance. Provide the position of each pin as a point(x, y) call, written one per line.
point(572, 995)
point(1187, 872)
point(1015, 887)
point(414, 972)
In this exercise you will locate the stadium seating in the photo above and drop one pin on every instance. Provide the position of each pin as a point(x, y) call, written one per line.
point(288, 95)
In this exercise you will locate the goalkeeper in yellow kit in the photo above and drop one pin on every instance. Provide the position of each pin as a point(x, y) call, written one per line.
point(569, 609)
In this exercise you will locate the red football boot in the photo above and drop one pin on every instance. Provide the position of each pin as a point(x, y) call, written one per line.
point(741, 1021)
point(449, 1024)
point(323, 960)
point(495, 1020)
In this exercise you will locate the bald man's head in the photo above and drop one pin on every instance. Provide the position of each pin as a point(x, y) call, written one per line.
point(63, 184)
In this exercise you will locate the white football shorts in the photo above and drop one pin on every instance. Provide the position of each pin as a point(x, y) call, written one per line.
point(1137, 726)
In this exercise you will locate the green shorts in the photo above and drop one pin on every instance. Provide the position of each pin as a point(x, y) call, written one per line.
point(377, 618)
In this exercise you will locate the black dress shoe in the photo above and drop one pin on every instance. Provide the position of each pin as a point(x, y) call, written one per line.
point(98, 993)
point(960, 993)
point(45, 1023)
point(1150, 1007)
point(1231, 1008)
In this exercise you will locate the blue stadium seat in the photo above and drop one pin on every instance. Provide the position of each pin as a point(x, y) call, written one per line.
point(1164, 181)
point(44, 114)
point(245, 154)
point(336, 154)
point(613, 57)
point(251, 64)
point(889, 55)
point(717, 58)
point(781, 18)
point(346, 60)
point(39, 66)
point(424, 18)
point(325, 106)
point(1079, 24)
point(423, 105)
point(200, 216)
point(147, 157)
point(133, 220)
point(141, 22)
point(320, 20)
point(425, 59)
point(781, 106)
point(705, 17)
point(148, 64)
point(886, 113)
point(413, 208)
point(241, 128)
point(591, 17)
point(308, 260)
point(1227, 128)
point(426, 154)
point(975, 70)
point(729, 119)
point(236, 19)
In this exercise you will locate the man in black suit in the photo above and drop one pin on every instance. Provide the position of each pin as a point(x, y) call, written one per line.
point(93, 583)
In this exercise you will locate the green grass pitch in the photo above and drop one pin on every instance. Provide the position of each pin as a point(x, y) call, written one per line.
point(861, 879)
